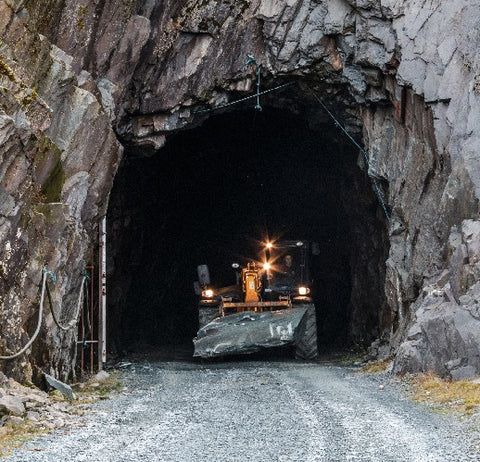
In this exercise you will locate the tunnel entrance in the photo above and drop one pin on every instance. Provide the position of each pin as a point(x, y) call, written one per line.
point(211, 195)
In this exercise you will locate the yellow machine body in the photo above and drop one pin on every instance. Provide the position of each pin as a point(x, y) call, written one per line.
point(251, 286)
point(251, 282)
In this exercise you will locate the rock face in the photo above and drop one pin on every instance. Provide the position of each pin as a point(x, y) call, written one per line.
point(444, 335)
point(58, 158)
point(405, 72)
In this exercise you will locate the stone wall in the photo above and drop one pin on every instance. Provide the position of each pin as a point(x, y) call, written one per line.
point(406, 71)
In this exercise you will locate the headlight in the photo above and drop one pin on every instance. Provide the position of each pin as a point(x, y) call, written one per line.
point(303, 290)
point(266, 266)
point(208, 293)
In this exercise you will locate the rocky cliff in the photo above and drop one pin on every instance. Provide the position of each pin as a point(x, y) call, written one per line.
point(79, 79)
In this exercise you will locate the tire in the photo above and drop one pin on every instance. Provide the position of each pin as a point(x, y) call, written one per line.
point(206, 315)
point(306, 343)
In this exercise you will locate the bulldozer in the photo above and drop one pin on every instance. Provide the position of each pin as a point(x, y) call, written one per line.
point(269, 305)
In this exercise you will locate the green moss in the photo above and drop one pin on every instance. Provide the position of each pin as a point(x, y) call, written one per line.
point(467, 65)
point(92, 391)
point(30, 97)
point(6, 70)
point(82, 14)
point(476, 84)
point(52, 187)
point(45, 211)
point(377, 366)
point(38, 197)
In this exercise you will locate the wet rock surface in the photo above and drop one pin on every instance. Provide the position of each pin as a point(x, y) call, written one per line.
point(269, 411)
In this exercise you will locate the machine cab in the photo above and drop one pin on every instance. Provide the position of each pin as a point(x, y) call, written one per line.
point(288, 268)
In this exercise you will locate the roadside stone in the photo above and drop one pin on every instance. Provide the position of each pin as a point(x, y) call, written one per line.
point(15, 420)
point(59, 423)
point(12, 385)
point(60, 406)
point(101, 376)
point(31, 405)
point(63, 388)
point(35, 399)
point(463, 373)
point(12, 406)
point(47, 424)
point(33, 415)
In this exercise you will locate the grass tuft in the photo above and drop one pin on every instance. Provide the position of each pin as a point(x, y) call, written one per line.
point(376, 367)
point(14, 436)
point(93, 391)
point(462, 396)
point(349, 357)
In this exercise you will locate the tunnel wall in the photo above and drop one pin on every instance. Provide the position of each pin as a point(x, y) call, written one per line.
point(143, 69)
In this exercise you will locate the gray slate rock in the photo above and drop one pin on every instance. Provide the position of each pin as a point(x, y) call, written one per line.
point(12, 406)
point(63, 388)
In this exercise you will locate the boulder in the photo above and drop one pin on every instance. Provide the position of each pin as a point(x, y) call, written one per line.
point(10, 405)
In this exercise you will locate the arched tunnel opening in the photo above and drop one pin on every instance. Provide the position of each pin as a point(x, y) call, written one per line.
point(212, 195)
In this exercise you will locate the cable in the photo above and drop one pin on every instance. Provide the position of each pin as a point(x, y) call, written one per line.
point(39, 323)
point(73, 322)
point(67, 327)
point(256, 95)
point(362, 150)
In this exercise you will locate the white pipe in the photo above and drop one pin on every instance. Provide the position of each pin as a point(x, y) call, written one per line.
point(39, 323)
point(103, 244)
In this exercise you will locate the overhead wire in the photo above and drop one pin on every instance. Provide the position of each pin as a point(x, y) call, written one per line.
point(361, 149)
point(337, 123)
point(246, 98)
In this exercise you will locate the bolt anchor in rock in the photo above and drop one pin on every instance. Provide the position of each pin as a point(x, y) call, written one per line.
point(251, 60)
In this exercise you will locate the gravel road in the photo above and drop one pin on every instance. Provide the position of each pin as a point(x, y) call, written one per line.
point(257, 411)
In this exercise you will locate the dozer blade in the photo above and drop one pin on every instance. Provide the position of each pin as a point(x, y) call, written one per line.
point(247, 332)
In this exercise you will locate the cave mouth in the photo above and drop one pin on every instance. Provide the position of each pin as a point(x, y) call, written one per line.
point(211, 195)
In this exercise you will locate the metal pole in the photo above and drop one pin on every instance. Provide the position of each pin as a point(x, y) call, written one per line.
point(82, 340)
point(103, 292)
point(92, 275)
point(99, 293)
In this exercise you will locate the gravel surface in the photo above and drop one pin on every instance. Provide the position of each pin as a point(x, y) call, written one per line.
point(258, 411)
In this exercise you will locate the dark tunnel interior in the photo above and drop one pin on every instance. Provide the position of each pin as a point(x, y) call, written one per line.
point(211, 196)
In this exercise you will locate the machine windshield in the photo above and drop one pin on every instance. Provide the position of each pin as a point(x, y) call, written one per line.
point(289, 264)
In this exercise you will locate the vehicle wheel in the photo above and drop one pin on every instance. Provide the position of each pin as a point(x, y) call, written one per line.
point(306, 343)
